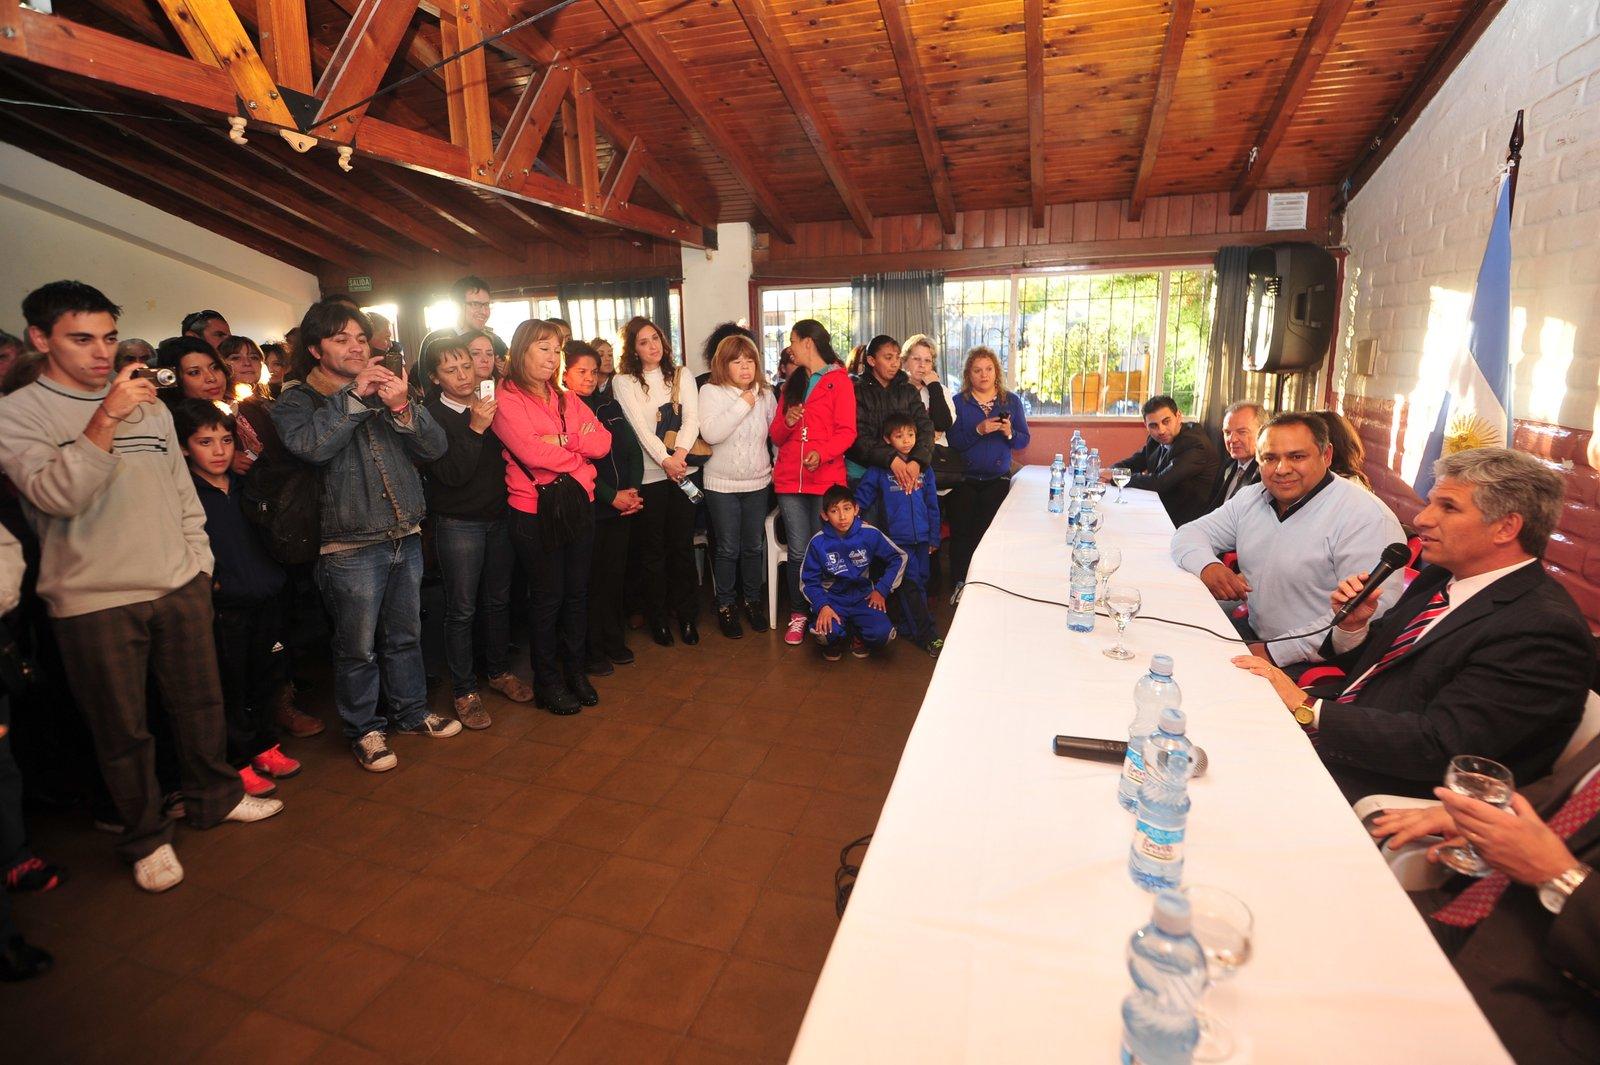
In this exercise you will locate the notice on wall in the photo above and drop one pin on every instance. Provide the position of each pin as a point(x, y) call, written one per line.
point(358, 284)
point(1287, 210)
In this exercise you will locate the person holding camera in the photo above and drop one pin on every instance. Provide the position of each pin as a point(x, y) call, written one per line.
point(352, 415)
point(122, 614)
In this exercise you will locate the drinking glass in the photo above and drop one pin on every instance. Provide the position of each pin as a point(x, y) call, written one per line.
point(1122, 603)
point(1120, 476)
point(1110, 561)
point(1224, 926)
point(1476, 778)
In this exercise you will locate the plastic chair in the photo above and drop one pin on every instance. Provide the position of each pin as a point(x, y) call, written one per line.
point(1410, 863)
point(777, 555)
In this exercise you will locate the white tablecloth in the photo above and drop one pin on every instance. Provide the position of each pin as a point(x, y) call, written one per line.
point(994, 906)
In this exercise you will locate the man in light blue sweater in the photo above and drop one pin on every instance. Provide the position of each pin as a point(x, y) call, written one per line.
point(1297, 536)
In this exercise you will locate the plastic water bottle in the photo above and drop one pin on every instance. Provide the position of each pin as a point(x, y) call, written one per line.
point(1156, 1032)
point(1074, 507)
point(1155, 859)
point(1058, 485)
point(1084, 583)
point(1153, 693)
point(1094, 465)
point(1169, 736)
point(1164, 957)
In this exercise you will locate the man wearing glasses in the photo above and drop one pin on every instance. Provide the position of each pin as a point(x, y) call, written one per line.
point(471, 295)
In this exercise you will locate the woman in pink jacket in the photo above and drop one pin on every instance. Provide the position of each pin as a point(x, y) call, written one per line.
point(549, 435)
point(814, 427)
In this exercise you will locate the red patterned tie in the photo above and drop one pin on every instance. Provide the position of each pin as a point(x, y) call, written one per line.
point(1474, 904)
point(1402, 643)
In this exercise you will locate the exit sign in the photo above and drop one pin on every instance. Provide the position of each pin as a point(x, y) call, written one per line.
point(358, 284)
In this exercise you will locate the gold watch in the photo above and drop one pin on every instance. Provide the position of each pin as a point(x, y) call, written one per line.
point(1304, 714)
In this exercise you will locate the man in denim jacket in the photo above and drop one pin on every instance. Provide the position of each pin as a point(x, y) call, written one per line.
point(354, 418)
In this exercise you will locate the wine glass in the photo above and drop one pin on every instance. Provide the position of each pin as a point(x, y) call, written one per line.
point(1120, 476)
point(1224, 926)
point(1122, 603)
point(1109, 562)
point(1476, 778)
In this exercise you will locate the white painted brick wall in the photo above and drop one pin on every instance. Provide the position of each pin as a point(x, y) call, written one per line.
point(1419, 224)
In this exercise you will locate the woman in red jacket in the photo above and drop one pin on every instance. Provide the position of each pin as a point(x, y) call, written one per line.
point(814, 427)
point(548, 432)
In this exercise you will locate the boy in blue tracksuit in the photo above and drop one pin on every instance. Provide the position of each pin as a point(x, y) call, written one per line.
point(837, 578)
point(912, 521)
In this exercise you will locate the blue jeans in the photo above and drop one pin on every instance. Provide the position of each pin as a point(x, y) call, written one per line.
point(802, 519)
point(739, 520)
point(475, 560)
point(374, 595)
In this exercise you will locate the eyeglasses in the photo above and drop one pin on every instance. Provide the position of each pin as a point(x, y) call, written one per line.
point(478, 305)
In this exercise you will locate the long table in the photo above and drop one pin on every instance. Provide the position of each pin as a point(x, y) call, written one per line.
point(992, 912)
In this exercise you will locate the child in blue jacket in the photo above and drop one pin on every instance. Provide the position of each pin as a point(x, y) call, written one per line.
point(837, 578)
point(912, 520)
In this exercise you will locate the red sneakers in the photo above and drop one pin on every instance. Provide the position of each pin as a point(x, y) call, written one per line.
point(255, 786)
point(274, 763)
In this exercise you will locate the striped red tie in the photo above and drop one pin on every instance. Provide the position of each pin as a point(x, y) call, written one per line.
point(1474, 904)
point(1402, 643)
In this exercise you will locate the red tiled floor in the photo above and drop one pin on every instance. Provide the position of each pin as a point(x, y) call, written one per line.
point(650, 881)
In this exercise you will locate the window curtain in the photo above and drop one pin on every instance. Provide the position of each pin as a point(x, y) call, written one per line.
point(897, 304)
point(601, 308)
point(1226, 379)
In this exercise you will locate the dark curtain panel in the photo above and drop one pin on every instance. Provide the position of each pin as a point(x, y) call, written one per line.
point(897, 304)
point(601, 308)
point(1226, 377)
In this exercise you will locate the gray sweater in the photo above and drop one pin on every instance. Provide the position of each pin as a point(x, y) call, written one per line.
point(114, 528)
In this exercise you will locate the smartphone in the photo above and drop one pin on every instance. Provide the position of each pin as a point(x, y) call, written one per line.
point(394, 362)
point(486, 389)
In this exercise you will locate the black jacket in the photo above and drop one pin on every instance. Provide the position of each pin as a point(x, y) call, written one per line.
point(1504, 675)
point(1219, 484)
point(874, 403)
point(1534, 974)
point(469, 480)
point(1183, 480)
point(244, 572)
point(623, 466)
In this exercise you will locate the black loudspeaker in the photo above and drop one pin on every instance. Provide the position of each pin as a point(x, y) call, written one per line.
point(1289, 314)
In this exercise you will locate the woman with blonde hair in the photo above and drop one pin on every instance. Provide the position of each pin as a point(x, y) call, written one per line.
point(990, 427)
point(921, 366)
point(660, 400)
point(551, 438)
point(736, 407)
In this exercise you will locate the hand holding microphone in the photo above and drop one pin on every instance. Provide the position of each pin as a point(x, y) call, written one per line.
point(1354, 601)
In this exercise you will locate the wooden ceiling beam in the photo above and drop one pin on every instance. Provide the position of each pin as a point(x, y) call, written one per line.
point(1033, 49)
point(623, 176)
point(588, 149)
point(768, 35)
point(359, 61)
point(436, 198)
point(635, 26)
point(897, 23)
point(286, 43)
point(1166, 88)
point(212, 32)
point(96, 168)
point(281, 228)
point(1314, 48)
point(467, 85)
point(529, 124)
point(567, 239)
point(1444, 60)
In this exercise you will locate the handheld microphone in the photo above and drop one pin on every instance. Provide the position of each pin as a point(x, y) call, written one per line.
point(1395, 556)
point(1113, 751)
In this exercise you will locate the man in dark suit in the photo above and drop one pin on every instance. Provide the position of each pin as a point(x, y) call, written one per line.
point(1484, 654)
point(1178, 462)
point(1526, 939)
point(1241, 425)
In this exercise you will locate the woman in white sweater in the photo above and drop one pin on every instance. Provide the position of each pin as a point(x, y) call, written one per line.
point(664, 533)
point(736, 406)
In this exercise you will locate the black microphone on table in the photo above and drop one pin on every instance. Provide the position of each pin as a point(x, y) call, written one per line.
point(1113, 751)
point(1394, 557)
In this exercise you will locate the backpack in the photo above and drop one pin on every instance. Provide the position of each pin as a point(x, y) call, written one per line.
point(283, 499)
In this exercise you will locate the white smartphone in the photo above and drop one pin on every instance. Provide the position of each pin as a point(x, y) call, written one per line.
point(486, 389)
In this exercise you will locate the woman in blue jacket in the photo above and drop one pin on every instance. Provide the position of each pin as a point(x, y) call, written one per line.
point(990, 425)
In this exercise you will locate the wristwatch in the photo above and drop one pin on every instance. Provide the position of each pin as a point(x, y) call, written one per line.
point(1555, 892)
point(1304, 715)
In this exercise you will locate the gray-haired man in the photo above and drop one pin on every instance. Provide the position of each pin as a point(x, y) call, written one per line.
point(1241, 425)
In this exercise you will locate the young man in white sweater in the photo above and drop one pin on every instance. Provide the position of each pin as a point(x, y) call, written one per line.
point(125, 570)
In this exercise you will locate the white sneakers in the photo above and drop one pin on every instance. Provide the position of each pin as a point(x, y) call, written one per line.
point(251, 808)
point(159, 870)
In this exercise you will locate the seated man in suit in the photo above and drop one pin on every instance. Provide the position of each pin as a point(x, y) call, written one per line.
point(1178, 462)
point(1298, 534)
point(1526, 939)
point(1484, 654)
point(1241, 425)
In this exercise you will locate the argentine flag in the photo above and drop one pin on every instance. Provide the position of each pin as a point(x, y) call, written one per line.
point(1477, 411)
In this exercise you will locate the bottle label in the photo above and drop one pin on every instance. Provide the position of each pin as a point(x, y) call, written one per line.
point(1163, 846)
point(1133, 767)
